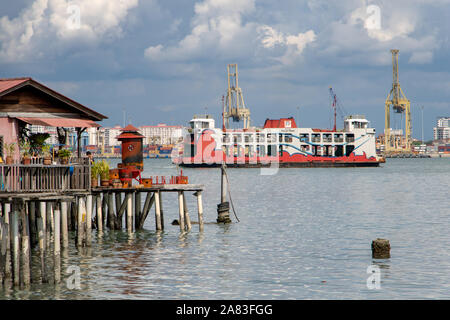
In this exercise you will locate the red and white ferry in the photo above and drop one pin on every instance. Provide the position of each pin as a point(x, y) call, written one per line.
point(279, 141)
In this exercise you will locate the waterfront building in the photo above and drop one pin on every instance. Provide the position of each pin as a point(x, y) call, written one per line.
point(442, 130)
point(161, 134)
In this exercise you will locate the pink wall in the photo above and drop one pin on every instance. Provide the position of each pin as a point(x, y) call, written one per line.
point(9, 129)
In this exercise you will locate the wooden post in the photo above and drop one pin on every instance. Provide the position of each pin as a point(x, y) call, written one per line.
point(26, 262)
point(111, 218)
point(119, 220)
point(129, 212)
point(81, 221)
point(186, 213)
point(381, 249)
point(13, 218)
point(6, 214)
point(137, 209)
point(149, 200)
point(181, 210)
point(32, 215)
point(89, 220)
point(158, 210)
point(64, 225)
point(41, 223)
point(161, 210)
point(57, 245)
point(200, 210)
point(99, 213)
point(48, 222)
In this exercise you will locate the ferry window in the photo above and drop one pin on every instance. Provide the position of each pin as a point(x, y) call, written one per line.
point(272, 150)
point(225, 138)
point(304, 137)
point(259, 137)
point(288, 138)
point(339, 151)
point(304, 147)
point(249, 151)
point(338, 138)
point(237, 138)
point(192, 125)
point(271, 137)
point(248, 138)
point(316, 137)
point(350, 137)
point(327, 137)
point(261, 151)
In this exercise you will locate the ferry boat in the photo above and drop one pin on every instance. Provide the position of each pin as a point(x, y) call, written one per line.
point(280, 141)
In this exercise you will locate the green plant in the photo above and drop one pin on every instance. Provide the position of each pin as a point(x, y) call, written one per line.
point(46, 150)
point(103, 169)
point(37, 142)
point(95, 170)
point(64, 153)
point(10, 148)
point(24, 148)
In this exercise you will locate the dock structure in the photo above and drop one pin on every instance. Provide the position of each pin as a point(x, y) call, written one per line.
point(40, 205)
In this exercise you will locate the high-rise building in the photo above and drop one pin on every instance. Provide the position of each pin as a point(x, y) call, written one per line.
point(161, 134)
point(442, 130)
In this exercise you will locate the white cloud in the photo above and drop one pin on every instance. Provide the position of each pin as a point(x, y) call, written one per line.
point(43, 27)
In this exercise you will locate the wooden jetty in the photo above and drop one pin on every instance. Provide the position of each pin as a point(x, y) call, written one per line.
point(39, 204)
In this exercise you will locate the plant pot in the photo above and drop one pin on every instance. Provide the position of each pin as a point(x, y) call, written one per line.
point(64, 160)
point(9, 160)
point(47, 161)
point(94, 182)
point(26, 160)
point(105, 183)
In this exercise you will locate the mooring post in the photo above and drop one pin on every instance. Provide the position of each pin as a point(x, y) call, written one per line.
point(161, 211)
point(223, 209)
point(57, 244)
point(129, 212)
point(157, 210)
point(111, 216)
point(41, 224)
point(15, 246)
point(198, 194)
point(89, 220)
point(181, 210)
point(186, 213)
point(26, 262)
point(64, 225)
point(118, 196)
point(99, 214)
point(381, 249)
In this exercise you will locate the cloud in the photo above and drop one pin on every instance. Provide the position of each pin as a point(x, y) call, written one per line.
point(49, 26)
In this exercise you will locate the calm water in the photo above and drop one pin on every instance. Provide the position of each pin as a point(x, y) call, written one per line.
point(303, 234)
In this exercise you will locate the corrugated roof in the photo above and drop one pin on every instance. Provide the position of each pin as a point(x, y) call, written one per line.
point(6, 84)
point(61, 122)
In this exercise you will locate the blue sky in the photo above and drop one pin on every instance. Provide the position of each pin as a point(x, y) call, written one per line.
point(163, 61)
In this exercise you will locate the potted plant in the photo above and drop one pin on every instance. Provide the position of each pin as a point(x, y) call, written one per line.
point(46, 154)
point(25, 152)
point(104, 173)
point(95, 172)
point(9, 150)
point(64, 155)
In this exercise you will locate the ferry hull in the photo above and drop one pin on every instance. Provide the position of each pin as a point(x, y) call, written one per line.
point(318, 164)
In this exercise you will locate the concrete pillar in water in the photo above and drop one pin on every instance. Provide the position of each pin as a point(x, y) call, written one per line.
point(26, 262)
point(198, 194)
point(129, 212)
point(381, 249)
point(64, 224)
point(186, 213)
point(99, 213)
point(181, 210)
point(88, 220)
point(158, 210)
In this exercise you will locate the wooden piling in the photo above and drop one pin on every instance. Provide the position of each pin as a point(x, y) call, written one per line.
point(161, 211)
point(198, 194)
point(99, 213)
point(186, 213)
point(6, 214)
point(41, 224)
point(89, 220)
point(15, 246)
point(26, 262)
point(381, 249)
point(32, 215)
point(57, 244)
point(81, 222)
point(181, 210)
point(149, 200)
point(111, 217)
point(64, 225)
point(158, 210)
point(119, 221)
point(137, 209)
point(129, 198)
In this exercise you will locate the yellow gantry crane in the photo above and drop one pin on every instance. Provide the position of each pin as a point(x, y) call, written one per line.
point(400, 104)
point(235, 107)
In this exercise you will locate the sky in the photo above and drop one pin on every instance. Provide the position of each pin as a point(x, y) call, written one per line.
point(162, 61)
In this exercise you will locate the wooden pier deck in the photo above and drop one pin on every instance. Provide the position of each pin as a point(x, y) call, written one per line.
point(32, 213)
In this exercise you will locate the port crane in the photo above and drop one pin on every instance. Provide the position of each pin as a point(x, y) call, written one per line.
point(400, 104)
point(335, 104)
point(234, 102)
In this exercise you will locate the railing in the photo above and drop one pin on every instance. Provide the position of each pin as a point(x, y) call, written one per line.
point(45, 178)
